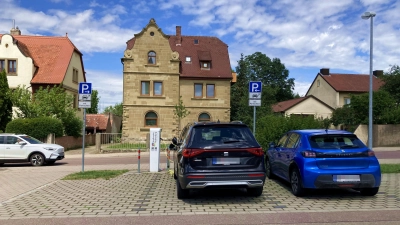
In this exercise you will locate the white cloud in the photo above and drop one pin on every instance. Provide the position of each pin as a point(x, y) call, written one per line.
point(109, 86)
point(301, 88)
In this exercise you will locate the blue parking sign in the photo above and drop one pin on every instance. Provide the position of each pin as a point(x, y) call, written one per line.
point(85, 88)
point(255, 86)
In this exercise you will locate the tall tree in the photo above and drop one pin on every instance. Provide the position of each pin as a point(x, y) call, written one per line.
point(277, 86)
point(392, 82)
point(94, 107)
point(180, 112)
point(117, 109)
point(5, 101)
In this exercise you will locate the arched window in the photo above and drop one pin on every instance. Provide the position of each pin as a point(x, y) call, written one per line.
point(150, 119)
point(204, 117)
point(151, 58)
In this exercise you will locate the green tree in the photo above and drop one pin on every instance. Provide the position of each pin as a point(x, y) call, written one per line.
point(21, 98)
point(277, 86)
point(180, 112)
point(94, 107)
point(392, 82)
point(5, 101)
point(117, 109)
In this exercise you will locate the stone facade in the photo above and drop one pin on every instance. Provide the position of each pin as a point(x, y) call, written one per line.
point(166, 71)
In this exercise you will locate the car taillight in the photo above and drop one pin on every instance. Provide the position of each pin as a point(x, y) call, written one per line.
point(256, 175)
point(256, 151)
point(371, 153)
point(189, 153)
point(308, 154)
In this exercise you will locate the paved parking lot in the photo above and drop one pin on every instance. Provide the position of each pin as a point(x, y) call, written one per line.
point(147, 194)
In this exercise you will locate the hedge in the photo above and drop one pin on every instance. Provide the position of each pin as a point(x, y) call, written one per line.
point(36, 127)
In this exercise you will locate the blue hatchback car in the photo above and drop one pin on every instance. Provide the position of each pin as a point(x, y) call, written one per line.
point(317, 159)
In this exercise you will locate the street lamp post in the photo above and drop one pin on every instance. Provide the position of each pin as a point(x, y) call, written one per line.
point(366, 16)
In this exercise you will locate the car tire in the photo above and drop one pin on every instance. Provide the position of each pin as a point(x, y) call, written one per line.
point(296, 183)
point(180, 192)
point(37, 159)
point(268, 169)
point(255, 192)
point(369, 191)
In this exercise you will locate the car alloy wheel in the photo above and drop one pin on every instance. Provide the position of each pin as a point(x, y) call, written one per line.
point(295, 182)
point(37, 159)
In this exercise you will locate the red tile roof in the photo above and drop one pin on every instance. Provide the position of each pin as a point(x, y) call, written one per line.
point(51, 55)
point(352, 82)
point(208, 49)
point(285, 105)
point(98, 121)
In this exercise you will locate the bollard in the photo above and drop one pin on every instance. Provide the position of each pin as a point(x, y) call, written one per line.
point(138, 161)
point(167, 158)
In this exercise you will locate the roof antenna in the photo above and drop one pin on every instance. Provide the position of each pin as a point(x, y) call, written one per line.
point(218, 121)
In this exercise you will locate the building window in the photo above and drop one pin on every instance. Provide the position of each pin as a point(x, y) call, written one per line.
point(157, 88)
point(2, 65)
point(204, 117)
point(12, 66)
point(346, 101)
point(210, 90)
point(188, 59)
point(151, 58)
point(196, 41)
point(205, 65)
point(318, 83)
point(145, 86)
point(75, 75)
point(150, 119)
point(198, 90)
point(75, 101)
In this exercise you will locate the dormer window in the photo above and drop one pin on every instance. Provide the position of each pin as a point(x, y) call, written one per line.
point(205, 65)
point(151, 58)
point(188, 59)
point(196, 41)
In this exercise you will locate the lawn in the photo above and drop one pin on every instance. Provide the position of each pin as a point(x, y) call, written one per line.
point(95, 174)
point(390, 168)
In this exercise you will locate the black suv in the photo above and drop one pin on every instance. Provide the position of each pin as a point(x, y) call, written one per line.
point(218, 155)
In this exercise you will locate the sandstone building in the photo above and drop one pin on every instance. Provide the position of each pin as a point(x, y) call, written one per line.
point(159, 68)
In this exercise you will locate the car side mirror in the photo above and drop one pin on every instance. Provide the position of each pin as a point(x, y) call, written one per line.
point(272, 145)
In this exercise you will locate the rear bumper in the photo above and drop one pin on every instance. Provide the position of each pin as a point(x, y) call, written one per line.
point(222, 180)
point(326, 181)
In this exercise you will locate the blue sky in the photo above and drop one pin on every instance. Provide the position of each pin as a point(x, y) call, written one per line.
point(305, 34)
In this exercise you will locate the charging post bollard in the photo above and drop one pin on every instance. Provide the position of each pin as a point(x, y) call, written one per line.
point(155, 136)
point(138, 165)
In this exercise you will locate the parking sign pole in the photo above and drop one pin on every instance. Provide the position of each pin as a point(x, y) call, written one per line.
point(83, 139)
point(254, 121)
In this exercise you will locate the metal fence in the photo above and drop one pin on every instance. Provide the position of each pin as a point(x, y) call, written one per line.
point(114, 142)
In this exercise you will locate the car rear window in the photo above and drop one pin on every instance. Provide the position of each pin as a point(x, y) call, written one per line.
point(338, 141)
point(222, 136)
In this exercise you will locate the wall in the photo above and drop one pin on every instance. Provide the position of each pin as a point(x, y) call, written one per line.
point(324, 92)
point(9, 50)
point(69, 85)
point(69, 142)
point(311, 106)
point(383, 135)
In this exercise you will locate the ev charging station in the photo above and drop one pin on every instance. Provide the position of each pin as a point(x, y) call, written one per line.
point(155, 137)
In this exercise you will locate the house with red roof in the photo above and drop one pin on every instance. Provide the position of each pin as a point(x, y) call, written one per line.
point(159, 69)
point(41, 61)
point(327, 92)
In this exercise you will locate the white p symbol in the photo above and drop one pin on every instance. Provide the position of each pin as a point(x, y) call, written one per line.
point(85, 87)
point(254, 87)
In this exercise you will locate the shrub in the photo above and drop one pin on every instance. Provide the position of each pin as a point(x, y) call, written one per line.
point(72, 125)
point(271, 127)
point(36, 127)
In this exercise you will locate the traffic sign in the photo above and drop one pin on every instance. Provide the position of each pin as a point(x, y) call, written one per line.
point(85, 97)
point(84, 104)
point(255, 86)
point(85, 88)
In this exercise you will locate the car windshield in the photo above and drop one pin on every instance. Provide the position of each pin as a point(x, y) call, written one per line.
point(237, 136)
point(336, 141)
point(31, 140)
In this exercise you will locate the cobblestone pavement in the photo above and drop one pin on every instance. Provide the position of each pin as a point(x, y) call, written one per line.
point(146, 194)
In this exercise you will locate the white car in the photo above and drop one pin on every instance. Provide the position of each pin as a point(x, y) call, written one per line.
point(16, 148)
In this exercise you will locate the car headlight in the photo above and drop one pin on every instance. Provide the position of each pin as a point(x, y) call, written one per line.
point(49, 148)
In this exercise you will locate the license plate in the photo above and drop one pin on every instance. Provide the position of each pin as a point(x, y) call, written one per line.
point(225, 161)
point(346, 178)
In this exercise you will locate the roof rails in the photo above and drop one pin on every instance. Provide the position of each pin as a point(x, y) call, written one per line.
point(236, 121)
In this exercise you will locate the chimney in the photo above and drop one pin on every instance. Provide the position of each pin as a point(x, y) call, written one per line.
point(378, 73)
point(324, 71)
point(178, 35)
